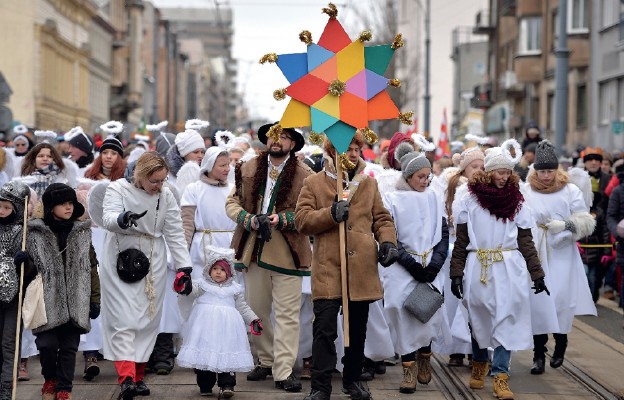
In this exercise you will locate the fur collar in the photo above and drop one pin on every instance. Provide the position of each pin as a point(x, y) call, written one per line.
point(402, 185)
point(174, 160)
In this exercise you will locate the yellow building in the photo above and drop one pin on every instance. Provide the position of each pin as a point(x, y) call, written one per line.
point(45, 59)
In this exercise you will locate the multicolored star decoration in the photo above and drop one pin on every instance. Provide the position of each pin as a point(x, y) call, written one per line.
point(337, 86)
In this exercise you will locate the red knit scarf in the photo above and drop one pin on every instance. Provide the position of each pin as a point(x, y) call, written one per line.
point(503, 203)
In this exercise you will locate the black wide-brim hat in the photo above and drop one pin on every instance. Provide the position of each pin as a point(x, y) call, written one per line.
point(296, 135)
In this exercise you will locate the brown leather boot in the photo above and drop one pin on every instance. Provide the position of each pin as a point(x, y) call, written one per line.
point(306, 371)
point(408, 384)
point(22, 374)
point(501, 387)
point(479, 371)
point(424, 368)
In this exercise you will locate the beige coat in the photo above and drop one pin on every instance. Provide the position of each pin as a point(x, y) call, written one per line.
point(369, 222)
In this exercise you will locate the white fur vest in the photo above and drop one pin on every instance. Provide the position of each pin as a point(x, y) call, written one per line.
point(66, 288)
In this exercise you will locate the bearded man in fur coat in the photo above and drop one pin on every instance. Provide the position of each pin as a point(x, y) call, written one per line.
point(271, 251)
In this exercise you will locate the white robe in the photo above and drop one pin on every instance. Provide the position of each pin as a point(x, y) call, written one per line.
point(209, 215)
point(128, 331)
point(562, 264)
point(497, 310)
point(418, 220)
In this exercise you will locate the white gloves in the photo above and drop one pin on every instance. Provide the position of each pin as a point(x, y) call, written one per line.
point(555, 226)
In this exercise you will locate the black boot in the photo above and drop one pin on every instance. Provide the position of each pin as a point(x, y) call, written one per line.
point(6, 391)
point(128, 390)
point(357, 390)
point(538, 365)
point(561, 344)
point(368, 370)
point(142, 389)
point(317, 395)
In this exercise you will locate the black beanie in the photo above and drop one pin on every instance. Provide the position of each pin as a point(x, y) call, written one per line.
point(112, 143)
point(82, 142)
point(59, 193)
point(545, 156)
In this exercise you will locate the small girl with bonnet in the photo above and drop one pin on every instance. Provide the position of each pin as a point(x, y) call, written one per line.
point(215, 334)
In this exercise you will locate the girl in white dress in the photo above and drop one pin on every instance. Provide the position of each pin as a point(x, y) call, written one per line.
point(423, 246)
point(493, 259)
point(562, 217)
point(215, 335)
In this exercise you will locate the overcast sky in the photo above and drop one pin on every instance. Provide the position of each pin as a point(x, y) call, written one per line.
point(264, 26)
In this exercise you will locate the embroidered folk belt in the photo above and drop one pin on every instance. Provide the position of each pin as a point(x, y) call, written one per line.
point(423, 256)
point(487, 258)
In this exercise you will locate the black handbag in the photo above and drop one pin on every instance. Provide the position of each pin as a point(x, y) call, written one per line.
point(132, 265)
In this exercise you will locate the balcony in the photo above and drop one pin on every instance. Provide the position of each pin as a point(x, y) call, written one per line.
point(483, 24)
point(482, 97)
point(508, 83)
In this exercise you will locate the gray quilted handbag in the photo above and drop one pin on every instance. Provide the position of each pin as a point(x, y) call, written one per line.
point(424, 301)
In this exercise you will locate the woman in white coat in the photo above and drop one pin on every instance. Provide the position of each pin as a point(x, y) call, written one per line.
point(144, 215)
point(562, 218)
point(423, 246)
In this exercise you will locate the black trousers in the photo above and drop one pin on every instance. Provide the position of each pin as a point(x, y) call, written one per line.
point(207, 379)
point(163, 350)
point(57, 353)
point(324, 349)
point(8, 328)
point(539, 345)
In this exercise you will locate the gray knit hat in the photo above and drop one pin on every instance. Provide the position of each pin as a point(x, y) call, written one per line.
point(413, 162)
point(545, 156)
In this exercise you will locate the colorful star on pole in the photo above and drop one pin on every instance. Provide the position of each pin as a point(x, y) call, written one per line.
point(337, 86)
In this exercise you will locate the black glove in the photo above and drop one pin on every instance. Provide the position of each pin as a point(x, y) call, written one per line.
point(340, 210)
point(185, 280)
point(388, 254)
point(94, 310)
point(129, 218)
point(540, 286)
point(264, 227)
point(20, 257)
point(410, 264)
point(457, 286)
point(431, 273)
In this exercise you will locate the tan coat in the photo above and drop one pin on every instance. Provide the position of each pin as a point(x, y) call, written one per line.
point(369, 222)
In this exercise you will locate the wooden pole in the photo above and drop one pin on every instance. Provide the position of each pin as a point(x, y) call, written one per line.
point(18, 328)
point(343, 259)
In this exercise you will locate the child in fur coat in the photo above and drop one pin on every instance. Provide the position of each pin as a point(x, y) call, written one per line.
point(215, 337)
point(12, 196)
point(60, 247)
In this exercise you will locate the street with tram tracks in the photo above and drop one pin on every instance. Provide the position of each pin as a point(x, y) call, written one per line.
point(593, 369)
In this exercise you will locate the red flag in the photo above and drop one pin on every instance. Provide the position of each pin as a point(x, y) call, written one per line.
point(443, 140)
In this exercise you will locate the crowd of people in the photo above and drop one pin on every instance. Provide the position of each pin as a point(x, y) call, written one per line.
point(175, 248)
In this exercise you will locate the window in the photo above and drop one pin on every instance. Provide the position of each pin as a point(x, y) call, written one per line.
point(581, 106)
point(621, 99)
point(578, 21)
point(530, 36)
point(610, 12)
point(604, 104)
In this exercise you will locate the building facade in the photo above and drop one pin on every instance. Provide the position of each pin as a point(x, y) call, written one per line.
point(607, 74)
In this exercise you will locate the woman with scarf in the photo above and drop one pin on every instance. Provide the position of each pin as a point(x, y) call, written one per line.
point(43, 166)
point(493, 259)
point(562, 217)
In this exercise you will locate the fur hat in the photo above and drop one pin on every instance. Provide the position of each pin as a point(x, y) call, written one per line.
point(59, 193)
point(78, 139)
point(468, 156)
point(189, 141)
point(412, 163)
point(15, 193)
point(545, 156)
point(501, 158)
point(112, 143)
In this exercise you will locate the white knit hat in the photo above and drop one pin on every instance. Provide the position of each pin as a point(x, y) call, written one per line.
point(468, 156)
point(189, 141)
point(501, 158)
point(210, 158)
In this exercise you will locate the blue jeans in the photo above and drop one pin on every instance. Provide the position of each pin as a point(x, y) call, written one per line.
point(500, 361)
